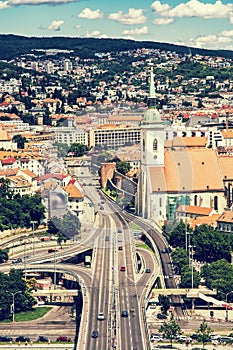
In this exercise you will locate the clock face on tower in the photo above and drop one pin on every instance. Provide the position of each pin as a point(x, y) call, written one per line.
point(155, 157)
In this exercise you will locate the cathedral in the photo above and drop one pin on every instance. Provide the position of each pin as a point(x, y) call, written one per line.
point(173, 175)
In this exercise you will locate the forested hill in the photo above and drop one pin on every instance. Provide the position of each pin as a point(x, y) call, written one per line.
point(12, 46)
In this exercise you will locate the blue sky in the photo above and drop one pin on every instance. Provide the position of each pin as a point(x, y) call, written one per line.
point(197, 23)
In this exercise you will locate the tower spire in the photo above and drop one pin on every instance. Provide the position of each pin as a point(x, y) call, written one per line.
point(152, 115)
point(152, 83)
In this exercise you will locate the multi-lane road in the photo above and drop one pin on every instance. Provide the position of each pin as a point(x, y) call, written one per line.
point(114, 285)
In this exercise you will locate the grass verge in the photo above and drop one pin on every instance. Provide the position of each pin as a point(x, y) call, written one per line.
point(30, 315)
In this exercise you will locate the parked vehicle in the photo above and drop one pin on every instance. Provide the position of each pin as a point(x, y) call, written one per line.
point(42, 338)
point(22, 338)
point(63, 338)
point(6, 339)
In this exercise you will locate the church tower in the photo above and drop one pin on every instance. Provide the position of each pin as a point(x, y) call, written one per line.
point(152, 149)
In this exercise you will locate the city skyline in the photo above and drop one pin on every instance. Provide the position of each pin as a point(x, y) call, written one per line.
point(195, 23)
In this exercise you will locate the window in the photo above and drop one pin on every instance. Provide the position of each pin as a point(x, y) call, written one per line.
point(195, 200)
point(143, 145)
point(160, 202)
point(155, 145)
point(216, 203)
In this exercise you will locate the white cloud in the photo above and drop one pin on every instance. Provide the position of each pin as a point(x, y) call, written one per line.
point(194, 8)
point(89, 14)
point(223, 40)
point(134, 16)
point(56, 25)
point(163, 21)
point(38, 2)
point(227, 33)
point(3, 5)
point(78, 26)
point(136, 31)
point(94, 34)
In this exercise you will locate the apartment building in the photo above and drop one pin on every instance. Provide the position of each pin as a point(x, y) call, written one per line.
point(70, 135)
point(114, 136)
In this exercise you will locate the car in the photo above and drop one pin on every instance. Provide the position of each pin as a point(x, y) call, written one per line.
point(42, 338)
point(100, 316)
point(123, 268)
point(148, 270)
point(63, 338)
point(227, 340)
point(164, 250)
point(101, 207)
point(120, 239)
point(124, 313)
point(119, 230)
point(22, 338)
point(182, 338)
point(6, 339)
point(120, 248)
point(95, 334)
point(161, 316)
point(107, 238)
point(156, 337)
point(17, 261)
point(194, 336)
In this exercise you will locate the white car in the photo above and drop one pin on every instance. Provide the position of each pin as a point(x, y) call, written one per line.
point(155, 337)
point(100, 316)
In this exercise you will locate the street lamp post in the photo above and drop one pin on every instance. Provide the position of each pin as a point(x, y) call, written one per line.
point(226, 295)
point(33, 222)
point(191, 253)
point(13, 303)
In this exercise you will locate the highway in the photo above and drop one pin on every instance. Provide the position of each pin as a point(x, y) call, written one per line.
point(113, 283)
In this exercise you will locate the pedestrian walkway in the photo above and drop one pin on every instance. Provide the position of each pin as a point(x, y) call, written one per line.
point(177, 346)
point(37, 346)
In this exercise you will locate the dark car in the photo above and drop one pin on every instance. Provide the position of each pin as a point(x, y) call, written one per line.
point(22, 338)
point(63, 338)
point(107, 238)
point(95, 334)
point(42, 338)
point(148, 270)
point(120, 247)
point(124, 314)
point(4, 338)
point(161, 316)
point(17, 261)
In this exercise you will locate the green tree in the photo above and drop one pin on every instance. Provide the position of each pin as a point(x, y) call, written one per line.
point(204, 333)
point(78, 149)
point(219, 275)
point(210, 245)
point(186, 277)
point(62, 149)
point(180, 258)
point(52, 228)
point(170, 330)
point(177, 237)
point(164, 301)
point(3, 255)
point(69, 224)
point(123, 167)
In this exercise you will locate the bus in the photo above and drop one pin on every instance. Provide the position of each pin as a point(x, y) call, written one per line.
point(87, 261)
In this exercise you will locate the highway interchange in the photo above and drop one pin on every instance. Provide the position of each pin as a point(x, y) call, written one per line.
point(108, 289)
